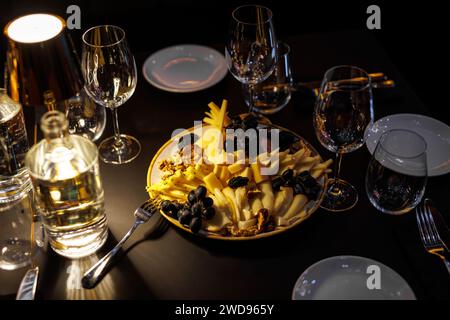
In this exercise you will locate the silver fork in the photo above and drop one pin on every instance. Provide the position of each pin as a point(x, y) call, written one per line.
point(429, 234)
point(98, 270)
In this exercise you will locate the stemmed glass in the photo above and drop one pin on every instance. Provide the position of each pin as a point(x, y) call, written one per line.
point(110, 76)
point(343, 110)
point(251, 48)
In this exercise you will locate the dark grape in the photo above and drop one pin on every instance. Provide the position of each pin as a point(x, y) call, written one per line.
point(195, 224)
point(178, 205)
point(209, 213)
point(185, 217)
point(208, 202)
point(192, 198)
point(304, 174)
point(298, 188)
point(286, 140)
point(290, 183)
point(196, 209)
point(237, 182)
point(200, 192)
point(166, 206)
point(277, 183)
point(288, 174)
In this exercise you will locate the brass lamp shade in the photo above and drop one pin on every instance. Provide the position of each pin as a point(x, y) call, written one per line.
point(39, 68)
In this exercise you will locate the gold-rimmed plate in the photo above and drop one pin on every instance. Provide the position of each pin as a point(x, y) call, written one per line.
point(154, 176)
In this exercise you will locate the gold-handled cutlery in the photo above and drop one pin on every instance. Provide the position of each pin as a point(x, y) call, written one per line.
point(378, 80)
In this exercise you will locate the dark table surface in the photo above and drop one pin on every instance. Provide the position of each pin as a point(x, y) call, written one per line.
point(164, 263)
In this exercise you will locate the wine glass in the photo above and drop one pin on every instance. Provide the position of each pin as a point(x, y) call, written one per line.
point(397, 173)
point(251, 48)
point(343, 110)
point(110, 76)
point(274, 93)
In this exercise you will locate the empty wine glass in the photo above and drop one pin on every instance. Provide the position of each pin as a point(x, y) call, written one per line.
point(397, 173)
point(343, 110)
point(110, 76)
point(274, 93)
point(251, 47)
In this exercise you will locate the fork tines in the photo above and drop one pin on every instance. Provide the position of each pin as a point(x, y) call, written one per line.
point(427, 228)
point(151, 204)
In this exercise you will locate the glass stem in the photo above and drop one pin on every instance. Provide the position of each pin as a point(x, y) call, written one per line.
point(117, 140)
point(337, 165)
point(250, 99)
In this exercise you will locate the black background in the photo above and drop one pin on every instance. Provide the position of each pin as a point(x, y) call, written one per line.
point(413, 32)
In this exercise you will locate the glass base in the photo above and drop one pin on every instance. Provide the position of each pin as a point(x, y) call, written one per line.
point(79, 243)
point(15, 254)
point(14, 188)
point(127, 151)
point(340, 196)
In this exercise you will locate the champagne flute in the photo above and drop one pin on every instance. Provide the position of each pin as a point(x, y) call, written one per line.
point(251, 48)
point(110, 76)
point(343, 110)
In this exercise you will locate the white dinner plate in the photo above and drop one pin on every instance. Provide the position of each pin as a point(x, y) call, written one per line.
point(185, 68)
point(435, 133)
point(347, 278)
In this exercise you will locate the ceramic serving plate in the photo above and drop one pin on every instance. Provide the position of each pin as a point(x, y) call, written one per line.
point(154, 176)
point(435, 133)
point(349, 278)
point(185, 68)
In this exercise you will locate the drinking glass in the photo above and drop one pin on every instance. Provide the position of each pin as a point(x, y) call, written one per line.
point(343, 110)
point(397, 173)
point(251, 48)
point(110, 76)
point(274, 93)
point(16, 230)
point(86, 118)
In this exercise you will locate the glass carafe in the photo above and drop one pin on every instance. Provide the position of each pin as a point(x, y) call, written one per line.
point(64, 170)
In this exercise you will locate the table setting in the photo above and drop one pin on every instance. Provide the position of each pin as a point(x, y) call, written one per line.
point(251, 168)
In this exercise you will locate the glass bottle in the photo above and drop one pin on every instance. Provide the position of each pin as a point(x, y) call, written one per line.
point(64, 170)
point(14, 179)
